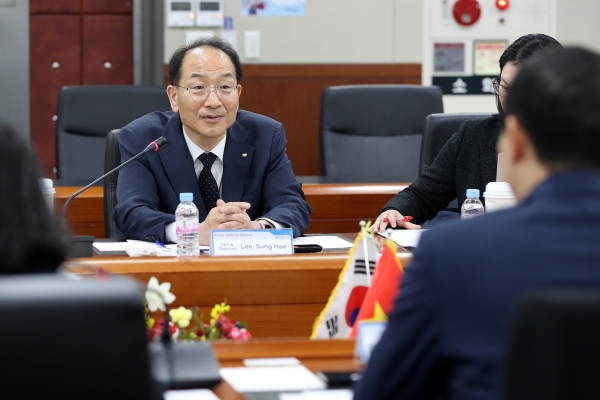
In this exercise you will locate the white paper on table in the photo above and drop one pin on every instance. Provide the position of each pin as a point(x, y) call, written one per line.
point(192, 394)
point(271, 379)
point(337, 394)
point(327, 242)
point(138, 248)
point(406, 237)
point(270, 362)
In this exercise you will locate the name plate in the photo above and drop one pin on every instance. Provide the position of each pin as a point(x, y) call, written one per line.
point(251, 242)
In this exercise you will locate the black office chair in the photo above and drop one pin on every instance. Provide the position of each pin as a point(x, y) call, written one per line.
point(437, 129)
point(112, 158)
point(554, 347)
point(87, 113)
point(73, 338)
point(375, 130)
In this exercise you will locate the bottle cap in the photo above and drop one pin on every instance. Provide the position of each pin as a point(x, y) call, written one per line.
point(186, 196)
point(473, 193)
point(499, 190)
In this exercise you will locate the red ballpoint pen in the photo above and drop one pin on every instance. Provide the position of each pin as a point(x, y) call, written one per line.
point(408, 218)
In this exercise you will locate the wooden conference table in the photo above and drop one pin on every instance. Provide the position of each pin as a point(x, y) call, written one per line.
point(336, 207)
point(316, 355)
point(279, 296)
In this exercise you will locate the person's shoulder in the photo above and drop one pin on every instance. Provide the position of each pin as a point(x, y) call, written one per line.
point(151, 121)
point(256, 122)
point(471, 238)
point(481, 127)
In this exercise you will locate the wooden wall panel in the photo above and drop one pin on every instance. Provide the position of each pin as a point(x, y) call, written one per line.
point(73, 30)
point(291, 94)
point(54, 6)
point(57, 40)
point(107, 50)
point(107, 6)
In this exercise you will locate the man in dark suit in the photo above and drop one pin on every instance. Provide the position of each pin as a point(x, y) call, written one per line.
point(233, 161)
point(446, 334)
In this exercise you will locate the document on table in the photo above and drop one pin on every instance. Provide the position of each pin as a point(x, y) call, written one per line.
point(327, 242)
point(406, 237)
point(191, 394)
point(337, 394)
point(271, 379)
point(137, 248)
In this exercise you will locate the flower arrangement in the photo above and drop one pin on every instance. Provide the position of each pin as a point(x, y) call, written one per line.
point(180, 324)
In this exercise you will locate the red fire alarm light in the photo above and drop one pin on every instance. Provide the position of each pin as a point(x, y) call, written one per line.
point(502, 4)
point(466, 12)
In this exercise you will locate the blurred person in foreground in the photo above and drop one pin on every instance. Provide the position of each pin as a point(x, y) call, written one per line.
point(468, 160)
point(446, 334)
point(29, 238)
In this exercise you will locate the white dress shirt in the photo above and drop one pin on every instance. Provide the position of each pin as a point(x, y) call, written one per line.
point(216, 170)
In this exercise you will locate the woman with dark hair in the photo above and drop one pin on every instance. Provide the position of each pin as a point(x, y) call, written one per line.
point(29, 239)
point(469, 159)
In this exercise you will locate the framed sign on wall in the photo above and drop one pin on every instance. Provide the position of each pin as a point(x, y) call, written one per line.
point(486, 54)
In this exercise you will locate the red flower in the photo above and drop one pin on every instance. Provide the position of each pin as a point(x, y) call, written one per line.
point(224, 324)
point(238, 334)
point(157, 329)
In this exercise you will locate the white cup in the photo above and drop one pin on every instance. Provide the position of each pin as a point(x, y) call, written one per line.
point(498, 196)
point(48, 191)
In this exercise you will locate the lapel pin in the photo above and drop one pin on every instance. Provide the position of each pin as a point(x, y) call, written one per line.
point(244, 154)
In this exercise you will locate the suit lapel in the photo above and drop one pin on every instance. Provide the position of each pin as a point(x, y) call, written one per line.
point(178, 163)
point(237, 159)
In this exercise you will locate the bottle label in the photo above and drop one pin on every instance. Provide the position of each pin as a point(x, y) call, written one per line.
point(187, 226)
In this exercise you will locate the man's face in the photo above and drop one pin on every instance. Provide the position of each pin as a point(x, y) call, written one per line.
point(206, 118)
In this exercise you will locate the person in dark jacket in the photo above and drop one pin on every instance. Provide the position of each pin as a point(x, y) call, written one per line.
point(447, 333)
point(469, 159)
point(30, 241)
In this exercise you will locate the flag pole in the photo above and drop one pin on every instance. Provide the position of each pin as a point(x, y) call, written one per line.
point(364, 240)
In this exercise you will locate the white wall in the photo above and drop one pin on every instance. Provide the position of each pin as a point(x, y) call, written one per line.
point(331, 31)
point(14, 65)
point(578, 23)
point(375, 31)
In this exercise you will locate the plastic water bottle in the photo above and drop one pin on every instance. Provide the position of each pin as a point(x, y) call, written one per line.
point(186, 218)
point(472, 206)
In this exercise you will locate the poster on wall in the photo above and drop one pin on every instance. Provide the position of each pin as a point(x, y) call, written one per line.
point(449, 57)
point(272, 7)
point(486, 54)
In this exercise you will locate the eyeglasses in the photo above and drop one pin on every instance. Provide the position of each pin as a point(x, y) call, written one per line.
point(223, 91)
point(499, 88)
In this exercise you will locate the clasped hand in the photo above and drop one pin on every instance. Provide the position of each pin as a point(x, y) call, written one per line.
point(226, 216)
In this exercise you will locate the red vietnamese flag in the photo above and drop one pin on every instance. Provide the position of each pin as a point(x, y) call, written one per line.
point(384, 289)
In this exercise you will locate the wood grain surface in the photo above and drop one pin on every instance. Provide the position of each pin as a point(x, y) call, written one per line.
point(278, 296)
point(336, 207)
point(316, 355)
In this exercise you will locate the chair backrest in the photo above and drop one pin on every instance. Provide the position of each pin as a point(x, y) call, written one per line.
point(87, 113)
point(73, 339)
point(112, 158)
point(554, 347)
point(437, 129)
point(375, 130)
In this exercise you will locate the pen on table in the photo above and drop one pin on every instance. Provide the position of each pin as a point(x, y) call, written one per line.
point(408, 218)
point(160, 244)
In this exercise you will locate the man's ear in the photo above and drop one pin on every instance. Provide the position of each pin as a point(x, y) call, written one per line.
point(172, 93)
point(514, 141)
